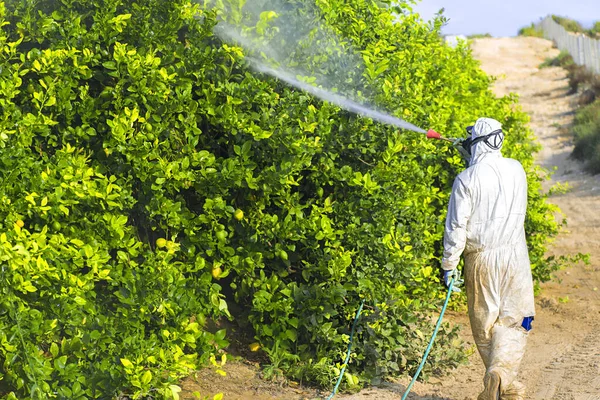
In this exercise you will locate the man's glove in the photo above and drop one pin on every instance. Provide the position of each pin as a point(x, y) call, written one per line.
point(454, 273)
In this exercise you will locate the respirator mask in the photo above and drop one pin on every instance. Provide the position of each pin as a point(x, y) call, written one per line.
point(492, 140)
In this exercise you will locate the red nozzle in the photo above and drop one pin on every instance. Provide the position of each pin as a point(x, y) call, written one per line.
point(431, 134)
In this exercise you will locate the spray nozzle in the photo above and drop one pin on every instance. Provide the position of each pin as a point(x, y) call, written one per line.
point(431, 134)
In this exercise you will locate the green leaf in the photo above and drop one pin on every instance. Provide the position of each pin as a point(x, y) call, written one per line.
point(175, 390)
point(60, 362)
point(54, 349)
point(146, 377)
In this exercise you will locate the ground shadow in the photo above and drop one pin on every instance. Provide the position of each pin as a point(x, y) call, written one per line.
point(391, 390)
point(563, 114)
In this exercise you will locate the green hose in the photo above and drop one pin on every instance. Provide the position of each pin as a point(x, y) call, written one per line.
point(414, 379)
point(435, 331)
point(337, 385)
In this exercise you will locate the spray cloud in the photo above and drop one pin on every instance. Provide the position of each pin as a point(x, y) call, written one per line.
point(286, 39)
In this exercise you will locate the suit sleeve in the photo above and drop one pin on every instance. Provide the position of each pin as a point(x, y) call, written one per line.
point(455, 233)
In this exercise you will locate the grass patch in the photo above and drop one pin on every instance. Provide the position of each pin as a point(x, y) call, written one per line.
point(569, 24)
point(587, 136)
point(580, 78)
point(564, 60)
point(479, 36)
point(574, 26)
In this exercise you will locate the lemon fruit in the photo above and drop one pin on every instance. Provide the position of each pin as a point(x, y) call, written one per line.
point(254, 346)
point(238, 214)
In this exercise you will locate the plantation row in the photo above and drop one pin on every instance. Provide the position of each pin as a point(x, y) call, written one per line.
point(153, 186)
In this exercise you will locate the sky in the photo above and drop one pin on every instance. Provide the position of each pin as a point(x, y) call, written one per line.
point(504, 17)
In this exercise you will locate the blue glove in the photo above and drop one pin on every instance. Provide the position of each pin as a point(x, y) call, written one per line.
point(527, 323)
point(454, 273)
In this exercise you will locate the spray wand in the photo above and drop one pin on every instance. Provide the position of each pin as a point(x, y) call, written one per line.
point(431, 134)
point(458, 143)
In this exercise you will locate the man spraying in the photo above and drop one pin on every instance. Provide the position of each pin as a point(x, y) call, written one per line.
point(485, 222)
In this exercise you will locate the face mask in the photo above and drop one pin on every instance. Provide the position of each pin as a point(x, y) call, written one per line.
point(493, 140)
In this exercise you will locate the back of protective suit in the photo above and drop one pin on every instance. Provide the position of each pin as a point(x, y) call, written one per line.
point(498, 192)
point(487, 207)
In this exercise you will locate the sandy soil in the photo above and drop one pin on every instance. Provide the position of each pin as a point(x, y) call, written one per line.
point(563, 355)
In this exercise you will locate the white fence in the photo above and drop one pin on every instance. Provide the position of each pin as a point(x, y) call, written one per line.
point(583, 49)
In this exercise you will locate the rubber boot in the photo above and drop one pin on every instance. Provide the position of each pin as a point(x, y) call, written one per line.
point(516, 391)
point(492, 387)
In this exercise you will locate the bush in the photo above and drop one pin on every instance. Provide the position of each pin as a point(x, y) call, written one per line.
point(595, 30)
point(579, 76)
point(154, 186)
point(569, 24)
point(574, 26)
point(92, 307)
point(531, 30)
point(581, 79)
point(587, 136)
point(563, 59)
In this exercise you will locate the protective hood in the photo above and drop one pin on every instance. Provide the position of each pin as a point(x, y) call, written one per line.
point(484, 127)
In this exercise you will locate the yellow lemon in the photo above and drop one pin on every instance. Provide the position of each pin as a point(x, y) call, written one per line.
point(254, 346)
point(161, 242)
point(216, 272)
point(238, 214)
point(20, 223)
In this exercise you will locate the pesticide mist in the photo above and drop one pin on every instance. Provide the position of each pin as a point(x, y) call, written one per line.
point(296, 48)
point(336, 99)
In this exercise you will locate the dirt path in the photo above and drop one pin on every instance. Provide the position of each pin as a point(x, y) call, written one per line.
point(563, 355)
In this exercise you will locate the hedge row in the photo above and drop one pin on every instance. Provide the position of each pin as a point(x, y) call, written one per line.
point(153, 186)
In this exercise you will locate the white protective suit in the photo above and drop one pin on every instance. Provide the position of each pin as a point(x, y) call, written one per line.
point(485, 220)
